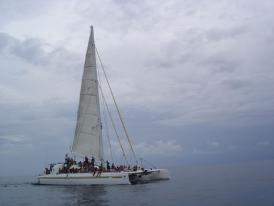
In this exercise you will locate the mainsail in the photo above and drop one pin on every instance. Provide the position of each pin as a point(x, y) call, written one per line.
point(88, 133)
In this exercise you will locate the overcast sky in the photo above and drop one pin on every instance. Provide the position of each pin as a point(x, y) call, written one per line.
point(194, 79)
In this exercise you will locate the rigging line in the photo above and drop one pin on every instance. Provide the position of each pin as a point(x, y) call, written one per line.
point(114, 128)
point(113, 125)
point(105, 117)
point(107, 134)
point(99, 102)
point(105, 120)
point(116, 106)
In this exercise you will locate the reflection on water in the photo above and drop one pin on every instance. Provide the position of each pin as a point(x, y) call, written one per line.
point(82, 195)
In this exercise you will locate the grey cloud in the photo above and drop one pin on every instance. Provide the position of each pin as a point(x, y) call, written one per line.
point(7, 142)
point(236, 83)
point(32, 51)
point(29, 49)
point(221, 63)
point(14, 10)
point(222, 34)
point(5, 41)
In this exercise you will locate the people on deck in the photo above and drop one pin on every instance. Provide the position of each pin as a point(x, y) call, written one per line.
point(88, 165)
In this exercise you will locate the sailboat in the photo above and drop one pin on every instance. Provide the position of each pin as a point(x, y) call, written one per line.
point(88, 141)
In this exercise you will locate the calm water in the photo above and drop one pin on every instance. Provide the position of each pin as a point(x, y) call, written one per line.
point(231, 184)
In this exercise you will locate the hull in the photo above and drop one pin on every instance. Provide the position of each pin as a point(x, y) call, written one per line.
point(152, 175)
point(107, 178)
point(159, 174)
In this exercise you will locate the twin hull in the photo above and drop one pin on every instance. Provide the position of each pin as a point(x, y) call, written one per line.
point(85, 179)
point(106, 178)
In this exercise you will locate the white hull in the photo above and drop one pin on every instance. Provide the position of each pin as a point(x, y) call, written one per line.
point(153, 175)
point(106, 178)
point(159, 174)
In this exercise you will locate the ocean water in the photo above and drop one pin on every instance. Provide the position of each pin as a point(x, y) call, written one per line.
point(228, 184)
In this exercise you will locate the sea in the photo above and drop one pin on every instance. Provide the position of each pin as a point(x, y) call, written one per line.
point(233, 184)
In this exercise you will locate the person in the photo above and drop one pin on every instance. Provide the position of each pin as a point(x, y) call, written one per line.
point(46, 171)
point(100, 169)
point(50, 167)
point(92, 161)
point(94, 171)
point(66, 158)
point(108, 166)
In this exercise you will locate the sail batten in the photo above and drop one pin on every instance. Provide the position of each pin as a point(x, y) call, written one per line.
point(88, 133)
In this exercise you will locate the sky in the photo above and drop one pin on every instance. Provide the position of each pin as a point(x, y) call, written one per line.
point(193, 79)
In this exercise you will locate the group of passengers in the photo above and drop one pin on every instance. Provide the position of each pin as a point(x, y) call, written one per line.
point(72, 166)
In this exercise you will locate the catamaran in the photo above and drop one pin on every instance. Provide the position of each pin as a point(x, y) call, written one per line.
point(88, 140)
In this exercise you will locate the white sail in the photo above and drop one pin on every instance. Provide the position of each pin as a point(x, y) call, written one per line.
point(88, 133)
